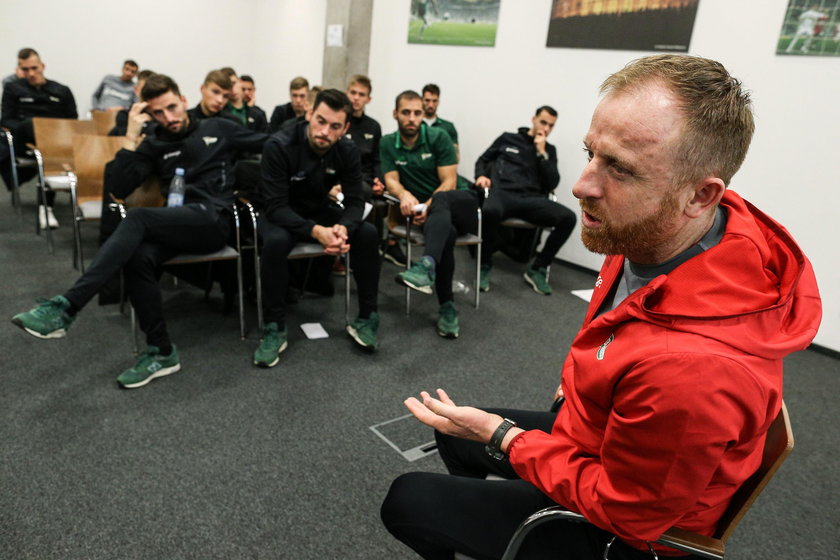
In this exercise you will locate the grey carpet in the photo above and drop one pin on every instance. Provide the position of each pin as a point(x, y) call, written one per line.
point(224, 460)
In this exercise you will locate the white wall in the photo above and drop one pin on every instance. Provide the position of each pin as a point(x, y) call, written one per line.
point(82, 40)
point(791, 171)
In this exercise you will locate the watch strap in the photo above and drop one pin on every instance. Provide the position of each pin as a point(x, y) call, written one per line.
point(494, 446)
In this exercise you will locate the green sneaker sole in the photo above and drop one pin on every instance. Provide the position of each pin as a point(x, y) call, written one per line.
point(534, 285)
point(422, 289)
point(58, 333)
point(447, 334)
point(159, 373)
point(276, 358)
point(354, 334)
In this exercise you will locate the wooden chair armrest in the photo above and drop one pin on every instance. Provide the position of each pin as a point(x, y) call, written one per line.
point(693, 543)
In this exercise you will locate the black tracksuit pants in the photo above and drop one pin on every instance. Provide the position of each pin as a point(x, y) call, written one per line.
point(278, 242)
point(451, 213)
point(537, 209)
point(143, 241)
point(439, 514)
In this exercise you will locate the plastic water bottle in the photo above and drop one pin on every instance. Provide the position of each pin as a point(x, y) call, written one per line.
point(176, 189)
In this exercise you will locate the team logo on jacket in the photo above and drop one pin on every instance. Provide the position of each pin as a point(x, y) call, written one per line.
point(27, 100)
point(603, 348)
point(598, 282)
point(425, 156)
point(301, 176)
point(329, 171)
point(176, 153)
point(250, 119)
point(368, 136)
point(512, 150)
point(55, 99)
point(400, 162)
point(210, 140)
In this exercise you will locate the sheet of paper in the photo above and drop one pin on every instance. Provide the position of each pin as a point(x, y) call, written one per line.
point(314, 330)
point(585, 295)
point(335, 35)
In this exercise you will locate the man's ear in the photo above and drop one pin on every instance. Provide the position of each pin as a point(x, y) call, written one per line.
point(706, 194)
point(308, 114)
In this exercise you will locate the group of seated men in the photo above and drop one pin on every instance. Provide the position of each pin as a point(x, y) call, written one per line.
point(671, 384)
point(318, 169)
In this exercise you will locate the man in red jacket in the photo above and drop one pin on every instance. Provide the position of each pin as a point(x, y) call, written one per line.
point(676, 373)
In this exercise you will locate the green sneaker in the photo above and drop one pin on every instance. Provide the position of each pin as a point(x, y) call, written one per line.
point(538, 279)
point(272, 344)
point(420, 277)
point(49, 320)
point(363, 331)
point(150, 364)
point(484, 277)
point(447, 323)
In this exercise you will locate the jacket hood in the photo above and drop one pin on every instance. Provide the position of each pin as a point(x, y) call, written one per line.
point(755, 290)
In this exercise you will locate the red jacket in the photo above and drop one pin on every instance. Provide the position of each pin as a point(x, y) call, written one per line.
point(669, 395)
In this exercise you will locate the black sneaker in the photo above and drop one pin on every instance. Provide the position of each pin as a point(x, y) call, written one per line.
point(394, 253)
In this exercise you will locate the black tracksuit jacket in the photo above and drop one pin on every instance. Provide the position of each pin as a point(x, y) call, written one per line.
point(512, 164)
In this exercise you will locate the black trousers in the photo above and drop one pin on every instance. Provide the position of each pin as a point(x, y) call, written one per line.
point(143, 241)
point(440, 514)
point(537, 209)
point(278, 242)
point(451, 213)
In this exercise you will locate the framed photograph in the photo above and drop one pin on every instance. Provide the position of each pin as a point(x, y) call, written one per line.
point(637, 25)
point(453, 22)
point(810, 27)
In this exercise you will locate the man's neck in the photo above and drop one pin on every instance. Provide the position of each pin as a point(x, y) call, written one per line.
point(409, 142)
point(358, 114)
point(682, 241)
point(236, 104)
point(205, 111)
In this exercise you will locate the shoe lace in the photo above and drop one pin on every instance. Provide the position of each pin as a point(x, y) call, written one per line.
point(46, 308)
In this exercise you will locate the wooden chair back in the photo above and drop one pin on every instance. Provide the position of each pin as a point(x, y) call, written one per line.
point(90, 154)
point(54, 139)
point(104, 121)
point(777, 446)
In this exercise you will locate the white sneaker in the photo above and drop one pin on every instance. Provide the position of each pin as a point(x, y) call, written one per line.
point(47, 218)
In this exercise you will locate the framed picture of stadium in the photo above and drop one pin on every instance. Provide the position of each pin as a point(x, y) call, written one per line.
point(810, 27)
point(454, 22)
point(636, 25)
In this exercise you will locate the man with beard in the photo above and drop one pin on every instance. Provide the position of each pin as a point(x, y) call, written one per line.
point(33, 95)
point(300, 165)
point(419, 164)
point(431, 102)
point(148, 237)
point(519, 170)
point(676, 374)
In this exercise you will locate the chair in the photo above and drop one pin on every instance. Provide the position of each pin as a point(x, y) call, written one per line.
point(53, 154)
point(104, 121)
point(90, 154)
point(227, 253)
point(777, 446)
point(401, 227)
point(519, 223)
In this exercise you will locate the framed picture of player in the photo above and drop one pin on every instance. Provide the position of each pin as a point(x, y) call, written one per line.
point(810, 27)
point(454, 22)
point(637, 25)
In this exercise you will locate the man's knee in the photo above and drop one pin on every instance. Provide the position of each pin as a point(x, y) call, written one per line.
point(276, 243)
point(410, 498)
point(365, 236)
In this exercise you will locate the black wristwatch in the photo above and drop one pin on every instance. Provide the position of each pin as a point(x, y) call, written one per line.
point(494, 446)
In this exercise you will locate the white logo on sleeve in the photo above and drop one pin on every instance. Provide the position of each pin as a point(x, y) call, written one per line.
point(210, 140)
point(368, 136)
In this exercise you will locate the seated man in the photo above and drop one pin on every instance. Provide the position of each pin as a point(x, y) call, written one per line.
point(116, 92)
point(519, 170)
point(121, 122)
point(255, 117)
point(215, 93)
point(300, 165)
point(148, 237)
point(23, 99)
point(431, 102)
point(676, 374)
point(296, 107)
point(419, 164)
